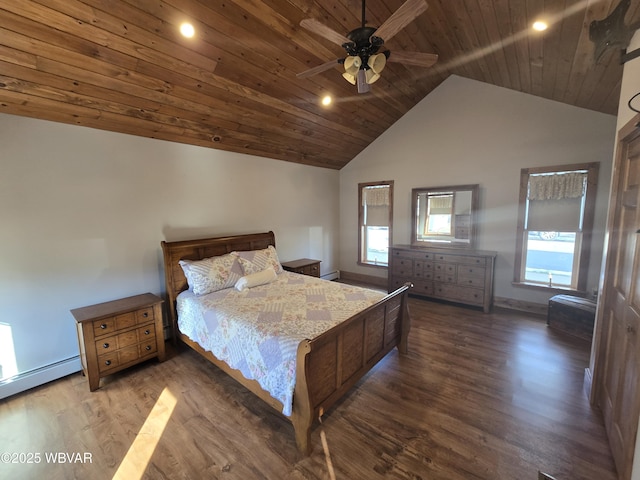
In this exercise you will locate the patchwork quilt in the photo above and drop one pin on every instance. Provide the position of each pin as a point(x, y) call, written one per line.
point(257, 330)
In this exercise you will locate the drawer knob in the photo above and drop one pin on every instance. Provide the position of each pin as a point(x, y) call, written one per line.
point(147, 332)
point(145, 314)
point(103, 326)
point(105, 345)
point(148, 347)
point(108, 362)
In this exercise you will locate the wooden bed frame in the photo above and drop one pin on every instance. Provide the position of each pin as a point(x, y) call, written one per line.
point(327, 366)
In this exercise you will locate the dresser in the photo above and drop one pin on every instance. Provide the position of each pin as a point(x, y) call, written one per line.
point(461, 276)
point(306, 266)
point(118, 334)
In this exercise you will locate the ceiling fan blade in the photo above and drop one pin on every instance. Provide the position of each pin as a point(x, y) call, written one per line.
point(418, 59)
point(319, 69)
point(400, 19)
point(318, 28)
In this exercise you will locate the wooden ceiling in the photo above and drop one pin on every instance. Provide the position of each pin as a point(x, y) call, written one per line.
point(122, 65)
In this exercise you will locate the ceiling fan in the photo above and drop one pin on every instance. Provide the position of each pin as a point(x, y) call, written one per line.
point(364, 63)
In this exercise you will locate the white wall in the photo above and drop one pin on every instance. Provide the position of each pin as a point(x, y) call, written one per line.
point(83, 212)
point(468, 132)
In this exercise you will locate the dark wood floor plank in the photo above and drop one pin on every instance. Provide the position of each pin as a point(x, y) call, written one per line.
point(479, 396)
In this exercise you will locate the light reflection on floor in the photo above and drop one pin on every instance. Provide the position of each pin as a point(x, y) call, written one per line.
point(137, 458)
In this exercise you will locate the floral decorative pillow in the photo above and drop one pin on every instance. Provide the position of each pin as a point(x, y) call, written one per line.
point(254, 261)
point(212, 274)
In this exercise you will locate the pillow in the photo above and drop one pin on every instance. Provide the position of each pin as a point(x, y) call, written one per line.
point(254, 261)
point(211, 274)
point(255, 279)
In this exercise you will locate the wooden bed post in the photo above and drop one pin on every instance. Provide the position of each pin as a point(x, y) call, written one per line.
point(403, 345)
point(302, 415)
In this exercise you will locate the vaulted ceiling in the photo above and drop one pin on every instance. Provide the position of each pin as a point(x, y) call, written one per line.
point(122, 65)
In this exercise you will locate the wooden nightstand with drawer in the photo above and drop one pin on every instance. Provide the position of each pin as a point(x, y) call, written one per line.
point(119, 334)
point(305, 266)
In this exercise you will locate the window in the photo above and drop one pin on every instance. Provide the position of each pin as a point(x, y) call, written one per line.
point(439, 213)
point(554, 225)
point(375, 207)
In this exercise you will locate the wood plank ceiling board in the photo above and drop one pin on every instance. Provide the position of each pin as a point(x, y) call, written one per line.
point(122, 66)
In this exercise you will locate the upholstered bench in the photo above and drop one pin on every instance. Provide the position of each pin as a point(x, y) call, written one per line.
point(572, 315)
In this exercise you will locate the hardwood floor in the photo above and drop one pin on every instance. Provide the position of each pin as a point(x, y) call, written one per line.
point(495, 396)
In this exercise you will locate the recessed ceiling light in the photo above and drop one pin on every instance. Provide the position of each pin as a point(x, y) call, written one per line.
point(540, 26)
point(326, 100)
point(187, 30)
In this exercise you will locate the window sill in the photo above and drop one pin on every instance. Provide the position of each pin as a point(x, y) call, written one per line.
point(375, 265)
point(545, 288)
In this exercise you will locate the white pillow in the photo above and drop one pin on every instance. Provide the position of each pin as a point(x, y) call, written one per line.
point(211, 274)
point(255, 279)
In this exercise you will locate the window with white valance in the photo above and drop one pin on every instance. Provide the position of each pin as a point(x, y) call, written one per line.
point(556, 201)
point(554, 225)
point(376, 202)
point(375, 208)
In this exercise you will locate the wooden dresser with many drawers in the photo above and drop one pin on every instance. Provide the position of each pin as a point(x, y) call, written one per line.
point(118, 334)
point(461, 276)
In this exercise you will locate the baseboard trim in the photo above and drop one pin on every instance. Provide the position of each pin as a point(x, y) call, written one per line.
point(39, 376)
point(521, 306)
point(361, 278)
point(588, 384)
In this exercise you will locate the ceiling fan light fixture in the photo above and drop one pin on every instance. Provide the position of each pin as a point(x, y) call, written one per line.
point(349, 78)
point(352, 64)
point(377, 63)
point(363, 64)
point(371, 76)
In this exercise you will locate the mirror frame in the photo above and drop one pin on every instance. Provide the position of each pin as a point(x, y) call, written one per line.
point(416, 192)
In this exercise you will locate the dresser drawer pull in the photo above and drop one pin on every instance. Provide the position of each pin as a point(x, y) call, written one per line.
point(147, 332)
point(145, 314)
point(107, 363)
point(148, 347)
point(103, 326)
point(105, 345)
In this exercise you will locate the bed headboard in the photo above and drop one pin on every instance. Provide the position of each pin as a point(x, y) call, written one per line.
point(173, 252)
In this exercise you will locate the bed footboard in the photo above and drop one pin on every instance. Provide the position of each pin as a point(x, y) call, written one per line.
point(329, 365)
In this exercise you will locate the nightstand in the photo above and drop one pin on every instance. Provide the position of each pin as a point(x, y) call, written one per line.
point(116, 335)
point(306, 266)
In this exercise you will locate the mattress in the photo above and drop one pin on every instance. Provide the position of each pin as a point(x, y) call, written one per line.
point(257, 330)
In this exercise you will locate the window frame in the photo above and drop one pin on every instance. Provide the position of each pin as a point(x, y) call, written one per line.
point(361, 240)
point(583, 238)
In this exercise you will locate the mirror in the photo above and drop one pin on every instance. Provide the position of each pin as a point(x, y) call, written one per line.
point(444, 216)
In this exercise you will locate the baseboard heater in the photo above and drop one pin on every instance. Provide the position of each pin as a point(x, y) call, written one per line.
point(39, 376)
point(331, 276)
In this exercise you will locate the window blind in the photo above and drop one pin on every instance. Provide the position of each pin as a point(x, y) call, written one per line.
point(555, 202)
point(376, 206)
